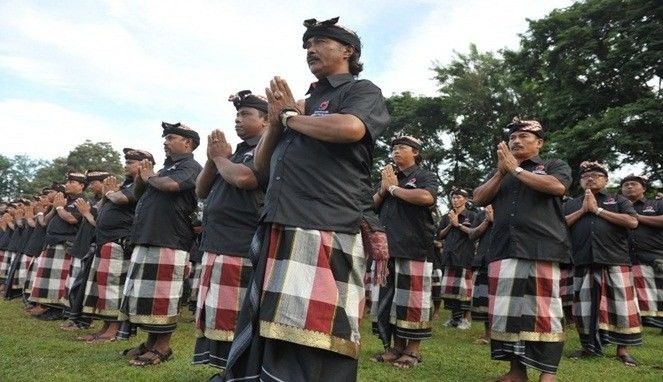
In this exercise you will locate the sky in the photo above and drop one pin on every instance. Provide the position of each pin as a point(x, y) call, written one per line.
point(111, 71)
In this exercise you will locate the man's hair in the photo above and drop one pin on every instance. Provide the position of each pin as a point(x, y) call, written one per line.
point(417, 155)
point(356, 66)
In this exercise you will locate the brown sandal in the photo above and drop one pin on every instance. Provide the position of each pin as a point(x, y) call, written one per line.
point(411, 360)
point(383, 358)
point(151, 357)
point(135, 352)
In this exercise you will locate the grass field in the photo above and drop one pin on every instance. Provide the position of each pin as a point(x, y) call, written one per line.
point(32, 350)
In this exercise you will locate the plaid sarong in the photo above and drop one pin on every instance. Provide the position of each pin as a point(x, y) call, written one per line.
point(525, 313)
point(17, 275)
point(31, 272)
point(436, 284)
point(312, 295)
point(74, 272)
point(404, 306)
point(223, 283)
point(5, 263)
point(154, 285)
point(605, 307)
point(194, 281)
point(480, 295)
point(457, 289)
point(649, 289)
point(53, 268)
point(103, 291)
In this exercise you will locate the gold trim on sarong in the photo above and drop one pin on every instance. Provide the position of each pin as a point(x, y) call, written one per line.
point(102, 312)
point(651, 313)
point(46, 301)
point(479, 309)
point(218, 335)
point(527, 336)
point(309, 338)
point(456, 297)
point(148, 320)
point(411, 325)
point(615, 329)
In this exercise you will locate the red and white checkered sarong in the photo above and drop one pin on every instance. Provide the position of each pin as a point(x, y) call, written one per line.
point(103, 291)
point(51, 275)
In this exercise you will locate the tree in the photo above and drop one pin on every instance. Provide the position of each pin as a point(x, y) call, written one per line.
point(18, 175)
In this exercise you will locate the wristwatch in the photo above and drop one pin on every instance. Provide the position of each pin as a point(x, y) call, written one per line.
point(598, 211)
point(518, 170)
point(391, 189)
point(285, 114)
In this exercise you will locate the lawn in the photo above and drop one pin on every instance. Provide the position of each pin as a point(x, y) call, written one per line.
point(32, 350)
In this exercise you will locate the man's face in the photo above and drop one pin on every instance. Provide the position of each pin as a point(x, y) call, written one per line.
point(174, 144)
point(404, 155)
point(96, 186)
point(633, 190)
point(524, 145)
point(326, 56)
point(249, 123)
point(131, 167)
point(458, 201)
point(73, 187)
point(593, 180)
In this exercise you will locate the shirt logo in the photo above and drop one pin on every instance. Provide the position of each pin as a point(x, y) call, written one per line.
point(323, 105)
point(412, 183)
point(466, 221)
point(171, 167)
point(649, 208)
point(610, 201)
point(540, 169)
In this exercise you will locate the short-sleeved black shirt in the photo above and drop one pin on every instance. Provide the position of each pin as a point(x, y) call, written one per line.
point(530, 224)
point(36, 242)
point(410, 228)
point(58, 230)
point(163, 219)
point(114, 220)
point(15, 241)
point(231, 214)
point(483, 243)
point(85, 235)
point(25, 238)
point(322, 185)
point(458, 248)
point(595, 240)
point(4, 239)
point(646, 242)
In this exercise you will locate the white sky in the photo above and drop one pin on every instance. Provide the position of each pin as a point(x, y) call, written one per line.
point(113, 70)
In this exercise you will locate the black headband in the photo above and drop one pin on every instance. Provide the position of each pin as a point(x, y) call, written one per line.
point(588, 166)
point(77, 177)
point(91, 176)
point(328, 28)
point(408, 141)
point(245, 98)
point(637, 178)
point(134, 154)
point(530, 126)
point(459, 191)
point(181, 130)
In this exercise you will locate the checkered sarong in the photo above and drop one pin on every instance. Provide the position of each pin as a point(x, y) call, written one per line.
point(51, 275)
point(74, 272)
point(436, 284)
point(480, 295)
point(605, 307)
point(457, 288)
point(194, 281)
point(525, 312)
point(5, 262)
point(154, 285)
point(404, 305)
point(222, 288)
point(103, 291)
point(9, 259)
point(31, 272)
point(649, 290)
point(18, 272)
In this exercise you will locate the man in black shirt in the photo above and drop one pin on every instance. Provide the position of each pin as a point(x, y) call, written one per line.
point(112, 256)
point(162, 235)
point(319, 158)
point(482, 231)
point(405, 201)
point(55, 261)
point(457, 256)
point(605, 307)
point(234, 194)
point(529, 241)
point(646, 250)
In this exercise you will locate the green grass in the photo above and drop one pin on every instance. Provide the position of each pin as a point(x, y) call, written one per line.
point(32, 350)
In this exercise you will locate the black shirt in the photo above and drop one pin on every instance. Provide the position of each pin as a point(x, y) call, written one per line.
point(36, 242)
point(530, 224)
point(85, 235)
point(410, 228)
point(15, 241)
point(25, 238)
point(231, 214)
point(4, 239)
point(114, 220)
point(58, 230)
point(322, 185)
point(163, 219)
point(646, 242)
point(458, 248)
point(483, 243)
point(595, 240)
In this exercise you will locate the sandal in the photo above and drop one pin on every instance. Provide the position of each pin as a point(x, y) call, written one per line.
point(87, 338)
point(411, 360)
point(100, 339)
point(151, 357)
point(628, 360)
point(582, 354)
point(135, 352)
point(383, 358)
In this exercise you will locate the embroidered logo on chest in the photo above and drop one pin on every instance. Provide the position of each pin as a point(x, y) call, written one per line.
point(540, 169)
point(467, 221)
point(649, 209)
point(322, 109)
point(610, 201)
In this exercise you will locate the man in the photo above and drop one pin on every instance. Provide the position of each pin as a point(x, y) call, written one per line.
point(234, 198)
point(404, 201)
point(15, 242)
point(108, 272)
point(457, 256)
point(162, 235)
point(82, 253)
point(36, 243)
point(55, 261)
point(482, 231)
point(529, 241)
point(319, 158)
point(11, 231)
point(646, 250)
point(605, 306)
point(18, 269)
